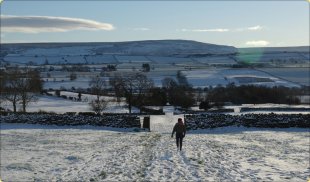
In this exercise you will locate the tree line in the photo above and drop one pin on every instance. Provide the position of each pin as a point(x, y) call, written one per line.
point(250, 94)
point(138, 91)
point(21, 86)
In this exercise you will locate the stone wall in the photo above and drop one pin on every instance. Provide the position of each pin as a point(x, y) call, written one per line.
point(202, 121)
point(113, 120)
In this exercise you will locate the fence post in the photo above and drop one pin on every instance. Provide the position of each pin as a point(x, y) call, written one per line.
point(146, 122)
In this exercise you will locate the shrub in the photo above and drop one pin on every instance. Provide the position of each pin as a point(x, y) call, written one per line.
point(70, 113)
point(87, 114)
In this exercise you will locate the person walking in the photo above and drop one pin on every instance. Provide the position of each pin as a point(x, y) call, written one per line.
point(180, 130)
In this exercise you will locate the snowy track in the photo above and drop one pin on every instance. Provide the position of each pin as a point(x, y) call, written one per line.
point(168, 163)
point(226, 154)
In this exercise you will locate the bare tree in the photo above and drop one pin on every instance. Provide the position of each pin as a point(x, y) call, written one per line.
point(29, 85)
point(182, 80)
point(98, 86)
point(169, 83)
point(10, 90)
point(72, 76)
point(21, 87)
point(142, 86)
point(3, 82)
point(146, 67)
point(133, 87)
point(116, 82)
point(98, 105)
point(178, 95)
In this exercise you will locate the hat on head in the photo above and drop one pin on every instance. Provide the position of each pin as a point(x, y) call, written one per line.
point(180, 121)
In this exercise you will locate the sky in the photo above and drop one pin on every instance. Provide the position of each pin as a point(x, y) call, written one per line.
point(235, 23)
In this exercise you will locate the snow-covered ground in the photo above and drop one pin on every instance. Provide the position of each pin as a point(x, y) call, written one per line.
point(80, 83)
point(216, 60)
point(60, 105)
point(297, 75)
point(214, 77)
point(50, 153)
point(198, 76)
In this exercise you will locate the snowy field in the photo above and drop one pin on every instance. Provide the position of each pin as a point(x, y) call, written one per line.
point(202, 77)
point(84, 153)
point(216, 60)
point(60, 105)
point(297, 75)
point(214, 77)
point(165, 58)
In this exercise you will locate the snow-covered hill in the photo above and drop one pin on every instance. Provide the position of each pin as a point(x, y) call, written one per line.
point(144, 51)
point(145, 48)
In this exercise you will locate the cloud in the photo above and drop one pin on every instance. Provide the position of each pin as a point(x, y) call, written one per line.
point(255, 28)
point(37, 24)
point(205, 30)
point(141, 29)
point(211, 30)
point(257, 43)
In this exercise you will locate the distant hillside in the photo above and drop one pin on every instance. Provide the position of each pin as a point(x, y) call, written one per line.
point(275, 49)
point(155, 51)
point(277, 56)
point(181, 48)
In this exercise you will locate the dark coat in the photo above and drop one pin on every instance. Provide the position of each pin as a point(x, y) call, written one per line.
point(179, 129)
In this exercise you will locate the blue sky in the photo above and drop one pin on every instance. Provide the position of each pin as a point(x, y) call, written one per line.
point(236, 23)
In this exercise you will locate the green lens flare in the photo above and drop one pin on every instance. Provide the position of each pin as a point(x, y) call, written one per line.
point(250, 55)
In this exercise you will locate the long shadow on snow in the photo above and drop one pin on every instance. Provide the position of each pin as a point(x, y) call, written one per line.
point(13, 126)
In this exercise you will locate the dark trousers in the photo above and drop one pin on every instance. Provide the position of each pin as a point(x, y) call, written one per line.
point(179, 140)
